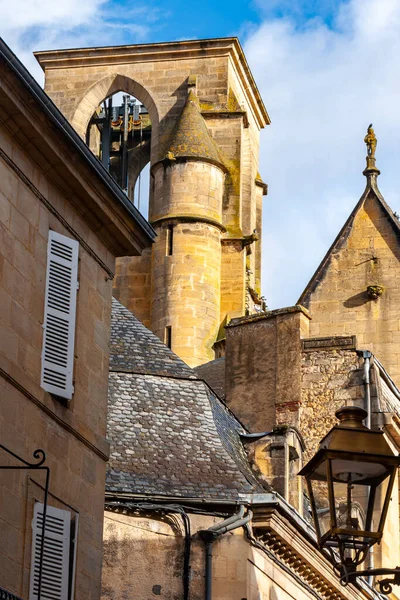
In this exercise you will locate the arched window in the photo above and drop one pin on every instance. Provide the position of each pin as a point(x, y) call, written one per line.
point(119, 134)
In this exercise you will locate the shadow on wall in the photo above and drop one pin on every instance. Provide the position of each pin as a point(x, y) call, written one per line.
point(143, 558)
point(357, 300)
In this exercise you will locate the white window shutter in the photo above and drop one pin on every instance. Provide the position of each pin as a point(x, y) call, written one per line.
point(55, 565)
point(60, 315)
point(73, 553)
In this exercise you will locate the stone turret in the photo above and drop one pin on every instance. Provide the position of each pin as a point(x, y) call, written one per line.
point(187, 214)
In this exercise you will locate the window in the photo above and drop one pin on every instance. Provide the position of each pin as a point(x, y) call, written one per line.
point(59, 315)
point(168, 337)
point(59, 556)
point(170, 240)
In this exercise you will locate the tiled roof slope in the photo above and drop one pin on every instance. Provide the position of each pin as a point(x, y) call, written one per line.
point(213, 373)
point(134, 348)
point(170, 435)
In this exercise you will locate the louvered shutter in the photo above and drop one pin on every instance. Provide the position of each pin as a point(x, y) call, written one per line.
point(55, 565)
point(60, 312)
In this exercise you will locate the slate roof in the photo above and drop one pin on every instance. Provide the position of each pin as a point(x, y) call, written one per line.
point(213, 373)
point(170, 435)
point(134, 348)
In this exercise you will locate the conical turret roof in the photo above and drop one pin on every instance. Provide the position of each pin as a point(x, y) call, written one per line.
point(190, 137)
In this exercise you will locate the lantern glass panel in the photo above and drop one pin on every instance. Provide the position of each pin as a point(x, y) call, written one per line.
point(357, 487)
point(321, 506)
point(350, 481)
point(351, 505)
point(347, 497)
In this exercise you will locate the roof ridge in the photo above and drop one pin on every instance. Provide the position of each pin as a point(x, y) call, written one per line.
point(370, 188)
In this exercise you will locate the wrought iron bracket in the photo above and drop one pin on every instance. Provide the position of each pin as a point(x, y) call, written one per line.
point(347, 575)
point(40, 457)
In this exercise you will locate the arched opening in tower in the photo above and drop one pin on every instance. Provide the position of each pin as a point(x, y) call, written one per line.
point(119, 134)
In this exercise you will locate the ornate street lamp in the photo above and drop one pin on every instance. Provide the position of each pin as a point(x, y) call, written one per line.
point(350, 481)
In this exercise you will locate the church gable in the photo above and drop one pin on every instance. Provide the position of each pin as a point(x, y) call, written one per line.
point(356, 288)
point(370, 234)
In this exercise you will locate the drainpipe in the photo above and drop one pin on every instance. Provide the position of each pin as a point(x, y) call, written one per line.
point(367, 368)
point(232, 519)
point(210, 535)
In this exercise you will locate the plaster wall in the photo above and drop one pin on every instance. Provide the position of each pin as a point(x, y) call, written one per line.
point(266, 581)
point(143, 559)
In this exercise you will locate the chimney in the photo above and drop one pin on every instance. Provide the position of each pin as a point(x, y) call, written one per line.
point(263, 367)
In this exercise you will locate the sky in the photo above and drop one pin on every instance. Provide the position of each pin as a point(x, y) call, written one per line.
point(325, 70)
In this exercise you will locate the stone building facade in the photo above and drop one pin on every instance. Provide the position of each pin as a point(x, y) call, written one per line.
point(54, 198)
point(190, 476)
point(294, 367)
point(186, 479)
point(355, 290)
point(205, 193)
point(323, 375)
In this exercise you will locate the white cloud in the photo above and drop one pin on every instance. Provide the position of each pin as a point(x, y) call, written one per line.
point(322, 87)
point(47, 24)
point(49, 13)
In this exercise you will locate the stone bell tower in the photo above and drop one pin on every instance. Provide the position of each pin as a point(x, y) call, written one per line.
point(205, 189)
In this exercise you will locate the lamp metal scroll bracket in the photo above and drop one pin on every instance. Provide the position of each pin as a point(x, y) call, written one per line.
point(40, 458)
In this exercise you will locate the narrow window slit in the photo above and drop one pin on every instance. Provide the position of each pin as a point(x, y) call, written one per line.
point(170, 240)
point(168, 336)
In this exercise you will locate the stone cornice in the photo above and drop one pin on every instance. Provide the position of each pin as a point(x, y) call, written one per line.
point(169, 51)
point(182, 218)
point(268, 315)
point(301, 555)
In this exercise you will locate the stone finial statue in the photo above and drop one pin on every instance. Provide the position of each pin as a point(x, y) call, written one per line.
point(371, 141)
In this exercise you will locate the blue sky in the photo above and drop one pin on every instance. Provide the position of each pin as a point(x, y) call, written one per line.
point(325, 69)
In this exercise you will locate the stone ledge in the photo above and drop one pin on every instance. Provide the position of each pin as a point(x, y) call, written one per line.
point(298, 550)
point(345, 342)
point(269, 315)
